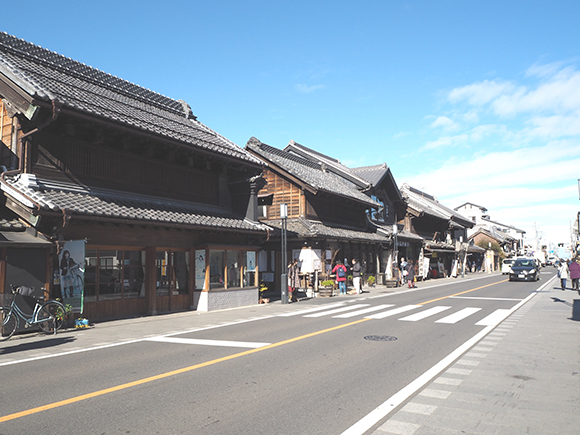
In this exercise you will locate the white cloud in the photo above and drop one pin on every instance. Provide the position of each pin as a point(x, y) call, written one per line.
point(480, 93)
point(443, 121)
point(305, 89)
point(515, 149)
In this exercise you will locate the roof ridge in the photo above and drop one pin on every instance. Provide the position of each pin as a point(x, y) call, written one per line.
point(112, 82)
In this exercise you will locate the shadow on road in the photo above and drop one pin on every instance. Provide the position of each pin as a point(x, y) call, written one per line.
point(9, 348)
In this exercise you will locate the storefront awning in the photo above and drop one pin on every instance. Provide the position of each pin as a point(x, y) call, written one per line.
point(21, 239)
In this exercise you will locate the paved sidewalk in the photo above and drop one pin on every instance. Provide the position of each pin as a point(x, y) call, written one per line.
point(522, 378)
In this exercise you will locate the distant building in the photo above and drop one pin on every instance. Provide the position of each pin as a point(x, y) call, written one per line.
point(511, 239)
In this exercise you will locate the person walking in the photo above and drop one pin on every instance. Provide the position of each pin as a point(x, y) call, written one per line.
point(411, 274)
point(563, 273)
point(340, 271)
point(404, 271)
point(293, 280)
point(356, 276)
point(574, 269)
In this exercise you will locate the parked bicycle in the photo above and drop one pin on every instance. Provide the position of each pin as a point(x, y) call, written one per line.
point(49, 316)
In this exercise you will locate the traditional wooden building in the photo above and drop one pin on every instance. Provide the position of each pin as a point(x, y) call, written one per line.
point(159, 198)
point(441, 229)
point(327, 214)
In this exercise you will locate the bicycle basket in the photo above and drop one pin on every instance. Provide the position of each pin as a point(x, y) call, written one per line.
point(6, 299)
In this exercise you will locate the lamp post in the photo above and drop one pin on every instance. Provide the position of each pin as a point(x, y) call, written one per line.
point(396, 246)
point(284, 276)
point(462, 256)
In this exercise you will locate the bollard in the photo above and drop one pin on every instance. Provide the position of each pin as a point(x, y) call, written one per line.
point(576, 310)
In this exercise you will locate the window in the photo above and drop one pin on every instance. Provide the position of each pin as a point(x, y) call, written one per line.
point(114, 274)
point(231, 268)
point(172, 270)
point(216, 269)
point(234, 267)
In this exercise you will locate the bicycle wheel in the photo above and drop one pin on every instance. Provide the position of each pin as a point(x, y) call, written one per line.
point(9, 323)
point(50, 317)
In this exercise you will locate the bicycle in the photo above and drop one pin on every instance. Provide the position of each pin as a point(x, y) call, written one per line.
point(49, 316)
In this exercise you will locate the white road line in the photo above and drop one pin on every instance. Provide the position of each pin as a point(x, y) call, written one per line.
point(196, 341)
point(393, 312)
point(424, 314)
point(365, 311)
point(460, 315)
point(483, 299)
point(494, 318)
point(338, 310)
point(311, 310)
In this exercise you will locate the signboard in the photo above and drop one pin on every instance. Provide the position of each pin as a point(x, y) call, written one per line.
point(72, 274)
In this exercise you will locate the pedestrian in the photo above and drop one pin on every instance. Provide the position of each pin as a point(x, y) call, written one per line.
point(356, 276)
point(340, 271)
point(563, 273)
point(411, 274)
point(404, 271)
point(574, 269)
point(293, 280)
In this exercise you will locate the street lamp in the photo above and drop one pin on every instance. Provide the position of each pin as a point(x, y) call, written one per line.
point(396, 246)
point(284, 276)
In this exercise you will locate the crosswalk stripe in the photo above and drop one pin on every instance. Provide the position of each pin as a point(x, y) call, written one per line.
point(364, 311)
point(393, 312)
point(494, 318)
point(338, 310)
point(424, 314)
point(311, 310)
point(460, 315)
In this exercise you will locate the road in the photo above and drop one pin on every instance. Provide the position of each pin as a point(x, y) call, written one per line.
point(320, 366)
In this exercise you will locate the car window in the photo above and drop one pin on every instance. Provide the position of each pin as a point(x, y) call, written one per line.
point(508, 261)
point(523, 263)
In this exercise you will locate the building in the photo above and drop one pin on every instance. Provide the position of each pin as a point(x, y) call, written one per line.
point(511, 239)
point(327, 214)
point(157, 199)
point(444, 234)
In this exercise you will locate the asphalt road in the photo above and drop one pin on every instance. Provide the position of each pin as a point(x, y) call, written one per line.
point(314, 367)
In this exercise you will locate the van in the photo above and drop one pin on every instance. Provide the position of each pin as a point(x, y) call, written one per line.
point(506, 266)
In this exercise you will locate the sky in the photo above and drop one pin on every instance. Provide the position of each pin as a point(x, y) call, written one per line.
point(469, 101)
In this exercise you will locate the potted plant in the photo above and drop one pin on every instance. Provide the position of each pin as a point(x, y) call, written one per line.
point(326, 287)
point(371, 281)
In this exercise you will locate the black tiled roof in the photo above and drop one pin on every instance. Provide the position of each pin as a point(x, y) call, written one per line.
point(82, 200)
point(428, 204)
point(308, 228)
point(47, 76)
point(372, 174)
point(309, 172)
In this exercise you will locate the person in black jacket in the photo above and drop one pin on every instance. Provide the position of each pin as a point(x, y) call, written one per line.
point(356, 276)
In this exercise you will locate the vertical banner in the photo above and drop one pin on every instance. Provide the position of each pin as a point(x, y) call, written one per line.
point(200, 269)
point(72, 274)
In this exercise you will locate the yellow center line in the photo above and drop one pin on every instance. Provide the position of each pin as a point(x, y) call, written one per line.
point(462, 293)
point(168, 374)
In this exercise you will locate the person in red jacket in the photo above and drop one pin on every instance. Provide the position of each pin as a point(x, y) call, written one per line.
point(574, 269)
point(340, 271)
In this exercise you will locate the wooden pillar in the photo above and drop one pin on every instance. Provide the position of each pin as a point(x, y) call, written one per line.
point(150, 281)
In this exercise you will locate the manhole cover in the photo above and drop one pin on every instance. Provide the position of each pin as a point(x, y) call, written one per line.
point(380, 338)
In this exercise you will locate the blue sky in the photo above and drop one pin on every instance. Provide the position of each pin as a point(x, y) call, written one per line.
point(471, 101)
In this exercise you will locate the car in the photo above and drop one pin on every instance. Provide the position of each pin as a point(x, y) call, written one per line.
point(524, 269)
point(505, 265)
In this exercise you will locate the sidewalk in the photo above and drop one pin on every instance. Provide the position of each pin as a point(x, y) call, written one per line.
point(522, 378)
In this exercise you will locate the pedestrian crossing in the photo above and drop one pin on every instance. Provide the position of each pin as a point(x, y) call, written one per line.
point(403, 313)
